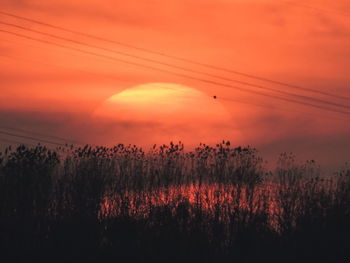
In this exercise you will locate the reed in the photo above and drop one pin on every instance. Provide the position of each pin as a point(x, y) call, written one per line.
point(212, 204)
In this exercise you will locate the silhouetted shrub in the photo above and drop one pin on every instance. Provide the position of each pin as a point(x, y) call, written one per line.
point(213, 204)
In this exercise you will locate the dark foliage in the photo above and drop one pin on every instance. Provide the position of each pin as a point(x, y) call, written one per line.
point(214, 204)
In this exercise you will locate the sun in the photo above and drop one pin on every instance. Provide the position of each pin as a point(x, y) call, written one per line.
point(162, 112)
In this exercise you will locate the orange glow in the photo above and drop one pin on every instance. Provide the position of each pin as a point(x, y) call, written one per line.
point(53, 80)
point(169, 107)
point(163, 102)
point(205, 196)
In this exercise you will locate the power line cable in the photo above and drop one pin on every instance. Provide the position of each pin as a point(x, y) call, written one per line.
point(317, 100)
point(219, 98)
point(57, 138)
point(31, 138)
point(178, 74)
point(174, 57)
point(279, 108)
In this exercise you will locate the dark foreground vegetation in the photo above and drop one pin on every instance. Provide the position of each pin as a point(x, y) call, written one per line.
point(214, 204)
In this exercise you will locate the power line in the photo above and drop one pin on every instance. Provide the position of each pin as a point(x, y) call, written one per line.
point(220, 98)
point(174, 57)
point(40, 134)
point(178, 74)
point(280, 109)
point(317, 100)
point(31, 138)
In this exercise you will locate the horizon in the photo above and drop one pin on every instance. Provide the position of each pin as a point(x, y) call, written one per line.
point(271, 74)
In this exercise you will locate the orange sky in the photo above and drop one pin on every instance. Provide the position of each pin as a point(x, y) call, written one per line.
point(54, 90)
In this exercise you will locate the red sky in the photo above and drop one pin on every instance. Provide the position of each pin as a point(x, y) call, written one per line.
point(53, 90)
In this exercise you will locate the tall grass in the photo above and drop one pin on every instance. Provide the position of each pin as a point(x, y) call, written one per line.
point(212, 204)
